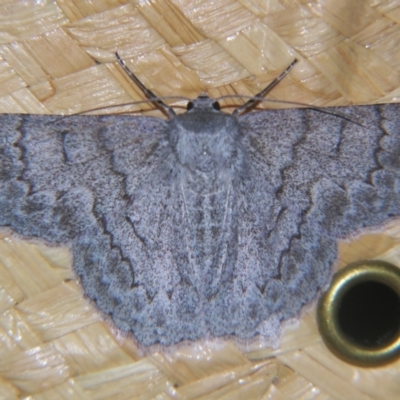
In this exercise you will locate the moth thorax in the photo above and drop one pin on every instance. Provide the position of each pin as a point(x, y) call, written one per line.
point(208, 147)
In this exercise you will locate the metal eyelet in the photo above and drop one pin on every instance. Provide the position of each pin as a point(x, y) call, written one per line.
point(359, 315)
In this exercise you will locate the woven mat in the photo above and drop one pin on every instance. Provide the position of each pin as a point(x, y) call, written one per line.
point(57, 57)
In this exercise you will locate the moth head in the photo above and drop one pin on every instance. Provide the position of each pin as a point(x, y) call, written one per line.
point(204, 138)
point(203, 102)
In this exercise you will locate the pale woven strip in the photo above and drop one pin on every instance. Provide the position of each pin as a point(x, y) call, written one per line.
point(53, 344)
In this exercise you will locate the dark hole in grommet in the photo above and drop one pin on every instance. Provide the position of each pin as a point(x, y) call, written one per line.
point(369, 314)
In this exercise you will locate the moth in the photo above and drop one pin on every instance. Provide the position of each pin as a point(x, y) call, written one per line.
point(208, 224)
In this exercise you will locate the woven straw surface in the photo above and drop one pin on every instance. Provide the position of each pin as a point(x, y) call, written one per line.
point(58, 57)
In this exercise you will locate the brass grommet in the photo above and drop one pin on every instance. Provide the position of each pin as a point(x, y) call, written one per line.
point(359, 315)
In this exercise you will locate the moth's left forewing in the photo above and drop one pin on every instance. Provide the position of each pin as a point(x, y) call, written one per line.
point(314, 177)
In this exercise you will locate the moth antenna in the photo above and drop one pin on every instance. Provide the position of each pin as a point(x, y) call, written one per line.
point(258, 99)
point(155, 99)
point(84, 112)
point(246, 106)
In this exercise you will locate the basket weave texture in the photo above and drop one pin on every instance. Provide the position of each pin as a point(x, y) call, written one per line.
point(58, 57)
